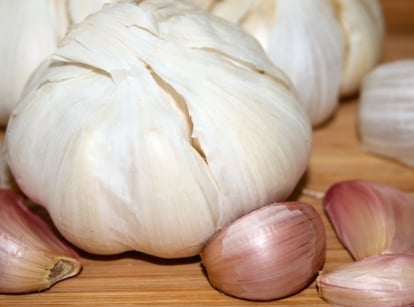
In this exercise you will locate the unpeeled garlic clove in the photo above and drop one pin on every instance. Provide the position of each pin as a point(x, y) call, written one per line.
point(386, 111)
point(270, 253)
point(383, 280)
point(371, 218)
point(32, 258)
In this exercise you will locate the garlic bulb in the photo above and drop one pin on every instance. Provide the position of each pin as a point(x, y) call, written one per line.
point(154, 125)
point(363, 26)
point(29, 32)
point(32, 258)
point(371, 218)
point(267, 254)
point(386, 111)
point(306, 41)
point(383, 281)
point(325, 46)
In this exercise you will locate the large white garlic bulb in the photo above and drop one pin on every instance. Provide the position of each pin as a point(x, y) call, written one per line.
point(386, 111)
point(325, 46)
point(29, 31)
point(154, 125)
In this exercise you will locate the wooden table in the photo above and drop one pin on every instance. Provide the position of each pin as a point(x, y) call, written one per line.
point(133, 279)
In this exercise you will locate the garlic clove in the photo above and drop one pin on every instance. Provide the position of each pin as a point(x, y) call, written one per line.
point(267, 254)
point(32, 258)
point(371, 218)
point(363, 27)
point(386, 111)
point(382, 280)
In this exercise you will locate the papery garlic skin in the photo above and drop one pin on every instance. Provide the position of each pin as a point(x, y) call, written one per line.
point(386, 111)
point(176, 124)
point(363, 25)
point(371, 218)
point(32, 258)
point(384, 281)
point(78, 10)
point(29, 32)
point(268, 254)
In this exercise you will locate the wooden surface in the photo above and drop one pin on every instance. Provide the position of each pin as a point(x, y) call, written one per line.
point(134, 279)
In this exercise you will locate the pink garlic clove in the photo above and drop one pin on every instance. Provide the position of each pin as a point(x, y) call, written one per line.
point(371, 218)
point(381, 281)
point(268, 254)
point(32, 258)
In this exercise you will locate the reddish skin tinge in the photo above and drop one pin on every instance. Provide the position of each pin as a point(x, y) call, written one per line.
point(32, 258)
point(370, 218)
point(270, 253)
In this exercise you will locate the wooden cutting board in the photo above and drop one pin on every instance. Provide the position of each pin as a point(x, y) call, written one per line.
point(134, 279)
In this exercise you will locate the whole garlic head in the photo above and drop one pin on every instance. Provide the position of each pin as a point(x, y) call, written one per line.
point(325, 46)
point(154, 125)
point(386, 111)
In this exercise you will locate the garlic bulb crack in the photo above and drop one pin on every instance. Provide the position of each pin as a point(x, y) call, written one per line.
point(153, 125)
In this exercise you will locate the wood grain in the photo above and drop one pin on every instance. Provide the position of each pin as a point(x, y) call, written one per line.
point(133, 279)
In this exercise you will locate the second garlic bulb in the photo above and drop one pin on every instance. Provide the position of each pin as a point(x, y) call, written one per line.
point(326, 47)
